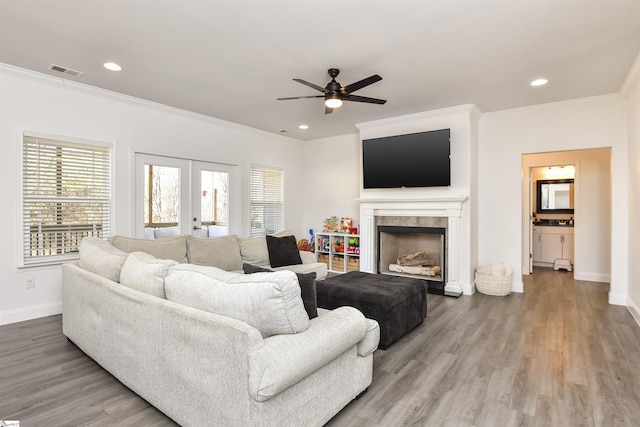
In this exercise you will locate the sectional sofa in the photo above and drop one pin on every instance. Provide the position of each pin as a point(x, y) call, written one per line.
point(213, 347)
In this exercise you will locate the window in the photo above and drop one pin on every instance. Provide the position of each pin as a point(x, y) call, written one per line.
point(66, 192)
point(267, 200)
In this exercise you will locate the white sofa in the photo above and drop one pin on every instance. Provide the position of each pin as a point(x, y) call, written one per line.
point(211, 347)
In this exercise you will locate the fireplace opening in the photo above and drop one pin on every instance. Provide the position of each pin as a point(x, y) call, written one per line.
point(417, 252)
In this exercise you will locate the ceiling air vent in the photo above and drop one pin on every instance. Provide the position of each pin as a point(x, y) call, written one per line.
point(64, 70)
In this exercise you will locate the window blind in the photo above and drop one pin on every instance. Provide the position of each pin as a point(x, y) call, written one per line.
point(267, 200)
point(66, 195)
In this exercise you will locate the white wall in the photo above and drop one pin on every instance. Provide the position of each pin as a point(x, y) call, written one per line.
point(506, 135)
point(632, 94)
point(331, 173)
point(31, 101)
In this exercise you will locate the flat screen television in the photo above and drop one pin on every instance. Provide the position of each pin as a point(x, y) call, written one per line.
point(413, 160)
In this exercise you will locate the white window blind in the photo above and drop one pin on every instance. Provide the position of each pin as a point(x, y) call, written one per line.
point(267, 200)
point(66, 192)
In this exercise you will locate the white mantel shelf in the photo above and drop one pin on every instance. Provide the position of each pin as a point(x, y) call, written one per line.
point(451, 199)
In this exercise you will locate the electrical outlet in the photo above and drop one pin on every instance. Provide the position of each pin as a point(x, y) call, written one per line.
point(30, 282)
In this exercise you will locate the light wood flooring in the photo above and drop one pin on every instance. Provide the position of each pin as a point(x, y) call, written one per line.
point(557, 355)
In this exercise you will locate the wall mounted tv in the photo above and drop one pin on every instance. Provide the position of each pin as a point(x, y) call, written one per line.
point(413, 160)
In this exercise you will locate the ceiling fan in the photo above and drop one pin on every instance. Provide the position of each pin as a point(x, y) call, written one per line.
point(334, 93)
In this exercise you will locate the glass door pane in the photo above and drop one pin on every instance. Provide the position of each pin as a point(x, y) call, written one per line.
point(161, 199)
point(161, 196)
point(213, 200)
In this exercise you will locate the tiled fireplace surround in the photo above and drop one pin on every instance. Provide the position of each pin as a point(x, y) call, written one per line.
point(414, 213)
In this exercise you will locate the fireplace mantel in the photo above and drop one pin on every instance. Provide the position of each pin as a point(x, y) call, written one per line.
point(450, 207)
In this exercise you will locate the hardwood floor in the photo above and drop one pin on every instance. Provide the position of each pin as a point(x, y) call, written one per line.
point(557, 355)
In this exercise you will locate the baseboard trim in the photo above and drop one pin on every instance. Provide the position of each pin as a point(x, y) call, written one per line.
point(634, 310)
point(517, 287)
point(592, 277)
point(617, 299)
point(28, 313)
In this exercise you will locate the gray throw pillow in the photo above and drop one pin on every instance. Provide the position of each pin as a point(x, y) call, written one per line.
point(283, 251)
point(307, 283)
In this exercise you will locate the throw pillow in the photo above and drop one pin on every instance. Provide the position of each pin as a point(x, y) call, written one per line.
point(145, 273)
point(270, 302)
point(307, 282)
point(172, 247)
point(283, 251)
point(100, 257)
point(221, 252)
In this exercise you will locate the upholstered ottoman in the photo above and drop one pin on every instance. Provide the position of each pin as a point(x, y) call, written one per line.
point(399, 304)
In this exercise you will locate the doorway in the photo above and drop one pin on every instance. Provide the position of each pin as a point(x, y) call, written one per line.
point(182, 196)
point(591, 214)
point(552, 207)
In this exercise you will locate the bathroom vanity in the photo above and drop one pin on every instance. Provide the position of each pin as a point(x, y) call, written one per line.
point(552, 242)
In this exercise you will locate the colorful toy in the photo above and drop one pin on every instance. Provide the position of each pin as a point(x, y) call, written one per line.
point(331, 225)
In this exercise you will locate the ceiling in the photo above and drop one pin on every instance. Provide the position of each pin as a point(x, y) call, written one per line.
point(232, 59)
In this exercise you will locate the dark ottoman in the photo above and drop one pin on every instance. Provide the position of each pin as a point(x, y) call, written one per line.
point(399, 304)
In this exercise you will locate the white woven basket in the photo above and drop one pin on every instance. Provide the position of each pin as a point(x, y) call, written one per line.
point(494, 280)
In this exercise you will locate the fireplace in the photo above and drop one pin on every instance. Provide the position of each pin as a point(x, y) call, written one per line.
point(413, 251)
point(443, 217)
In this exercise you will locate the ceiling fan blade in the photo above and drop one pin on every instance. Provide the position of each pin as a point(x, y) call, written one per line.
point(356, 98)
point(362, 83)
point(328, 110)
point(316, 87)
point(299, 97)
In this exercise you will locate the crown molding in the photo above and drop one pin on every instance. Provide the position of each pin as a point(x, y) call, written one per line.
point(470, 109)
point(34, 76)
point(560, 105)
point(632, 79)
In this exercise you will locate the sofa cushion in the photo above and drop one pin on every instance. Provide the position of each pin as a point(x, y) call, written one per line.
point(145, 273)
point(98, 256)
point(254, 251)
point(173, 247)
point(222, 252)
point(283, 251)
point(307, 284)
point(270, 302)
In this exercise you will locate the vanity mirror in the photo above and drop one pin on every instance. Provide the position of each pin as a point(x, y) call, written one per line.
point(554, 196)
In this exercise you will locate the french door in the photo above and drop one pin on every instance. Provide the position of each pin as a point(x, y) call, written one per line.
point(182, 196)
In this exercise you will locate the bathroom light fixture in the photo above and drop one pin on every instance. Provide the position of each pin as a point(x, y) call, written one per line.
point(303, 127)
point(112, 66)
point(539, 82)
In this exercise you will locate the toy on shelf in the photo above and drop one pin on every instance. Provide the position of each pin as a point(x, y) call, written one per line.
point(338, 248)
point(331, 225)
point(345, 224)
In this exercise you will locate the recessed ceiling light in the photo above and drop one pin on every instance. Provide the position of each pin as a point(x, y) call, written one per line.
point(539, 82)
point(112, 66)
point(303, 127)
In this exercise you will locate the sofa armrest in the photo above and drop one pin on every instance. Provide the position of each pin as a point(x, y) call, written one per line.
point(307, 257)
point(370, 342)
point(284, 360)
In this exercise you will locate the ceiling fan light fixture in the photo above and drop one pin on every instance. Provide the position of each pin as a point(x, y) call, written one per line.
point(333, 101)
